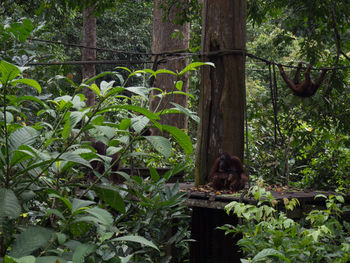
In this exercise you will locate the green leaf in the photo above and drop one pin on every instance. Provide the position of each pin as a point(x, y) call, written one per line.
point(31, 239)
point(26, 259)
point(30, 98)
point(139, 123)
point(154, 174)
point(179, 85)
point(9, 117)
point(82, 251)
point(194, 65)
point(95, 89)
point(56, 213)
point(111, 150)
point(8, 72)
point(75, 117)
point(102, 215)
point(137, 239)
point(166, 71)
point(78, 204)
point(180, 137)
point(105, 87)
point(161, 144)
point(63, 199)
point(66, 130)
point(141, 91)
point(98, 120)
point(180, 93)
point(9, 205)
point(98, 216)
point(25, 135)
point(269, 252)
point(23, 153)
point(124, 124)
point(27, 24)
point(186, 111)
point(30, 82)
point(75, 158)
point(111, 196)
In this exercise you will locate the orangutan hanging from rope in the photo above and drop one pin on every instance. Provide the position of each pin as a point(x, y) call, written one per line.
point(307, 88)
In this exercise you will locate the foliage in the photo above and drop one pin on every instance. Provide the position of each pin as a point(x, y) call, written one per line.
point(268, 235)
point(159, 216)
point(309, 150)
point(45, 160)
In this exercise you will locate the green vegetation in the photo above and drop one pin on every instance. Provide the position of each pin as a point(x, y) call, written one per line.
point(269, 235)
point(49, 207)
point(45, 160)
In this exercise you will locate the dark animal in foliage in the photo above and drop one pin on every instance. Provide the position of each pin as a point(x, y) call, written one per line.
point(307, 88)
point(227, 173)
point(99, 166)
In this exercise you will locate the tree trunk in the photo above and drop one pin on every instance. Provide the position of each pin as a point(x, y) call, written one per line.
point(162, 42)
point(222, 88)
point(89, 39)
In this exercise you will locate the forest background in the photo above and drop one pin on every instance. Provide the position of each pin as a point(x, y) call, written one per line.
point(302, 143)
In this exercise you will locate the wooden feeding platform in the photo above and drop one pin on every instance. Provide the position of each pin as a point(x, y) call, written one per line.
point(212, 245)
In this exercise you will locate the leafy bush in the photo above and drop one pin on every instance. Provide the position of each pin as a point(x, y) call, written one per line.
point(44, 160)
point(268, 235)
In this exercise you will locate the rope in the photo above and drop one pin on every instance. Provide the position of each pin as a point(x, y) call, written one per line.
point(185, 53)
point(274, 100)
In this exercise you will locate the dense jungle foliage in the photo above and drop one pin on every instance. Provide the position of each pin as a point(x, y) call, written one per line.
point(49, 210)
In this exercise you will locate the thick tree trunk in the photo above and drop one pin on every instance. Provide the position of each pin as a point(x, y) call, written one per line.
point(89, 39)
point(162, 42)
point(222, 88)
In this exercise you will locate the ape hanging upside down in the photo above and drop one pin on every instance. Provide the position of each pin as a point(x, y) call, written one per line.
point(228, 173)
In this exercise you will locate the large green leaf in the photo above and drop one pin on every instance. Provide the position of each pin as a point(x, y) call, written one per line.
point(26, 259)
point(111, 196)
point(180, 109)
point(137, 239)
point(9, 205)
point(8, 72)
point(25, 135)
point(30, 82)
point(75, 117)
point(23, 153)
point(141, 91)
point(63, 199)
point(96, 215)
point(82, 251)
point(78, 204)
point(180, 137)
point(161, 144)
point(105, 87)
point(195, 65)
point(29, 240)
point(139, 123)
point(269, 252)
point(75, 158)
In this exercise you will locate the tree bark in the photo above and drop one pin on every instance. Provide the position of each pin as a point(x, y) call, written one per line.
point(222, 88)
point(162, 41)
point(89, 39)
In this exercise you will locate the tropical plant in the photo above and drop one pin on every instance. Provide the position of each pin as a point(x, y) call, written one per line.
point(43, 160)
point(269, 235)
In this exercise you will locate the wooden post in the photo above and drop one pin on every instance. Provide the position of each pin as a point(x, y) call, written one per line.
point(222, 88)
